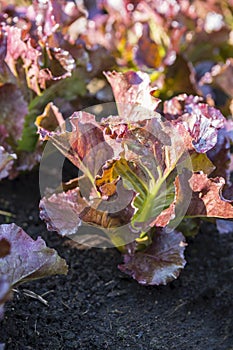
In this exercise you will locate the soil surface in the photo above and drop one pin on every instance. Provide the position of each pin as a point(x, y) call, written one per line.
point(97, 307)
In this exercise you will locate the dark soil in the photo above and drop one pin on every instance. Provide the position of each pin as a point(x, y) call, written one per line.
point(97, 307)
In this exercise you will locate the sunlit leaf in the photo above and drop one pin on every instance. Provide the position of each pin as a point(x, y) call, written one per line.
point(158, 264)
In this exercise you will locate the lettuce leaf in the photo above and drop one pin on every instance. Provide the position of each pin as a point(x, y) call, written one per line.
point(200, 120)
point(133, 94)
point(4, 294)
point(159, 263)
point(24, 260)
point(207, 199)
point(224, 226)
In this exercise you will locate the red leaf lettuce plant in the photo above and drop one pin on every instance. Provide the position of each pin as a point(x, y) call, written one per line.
point(176, 41)
point(55, 51)
point(145, 176)
point(40, 61)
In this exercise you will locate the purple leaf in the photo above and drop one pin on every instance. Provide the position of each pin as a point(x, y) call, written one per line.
point(220, 155)
point(61, 212)
point(46, 16)
point(84, 145)
point(27, 260)
point(17, 49)
point(160, 263)
point(200, 120)
point(66, 212)
point(13, 109)
point(60, 61)
point(224, 226)
point(133, 95)
point(52, 14)
point(207, 199)
point(4, 293)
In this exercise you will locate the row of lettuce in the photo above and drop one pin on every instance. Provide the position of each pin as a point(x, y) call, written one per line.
point(164, 160)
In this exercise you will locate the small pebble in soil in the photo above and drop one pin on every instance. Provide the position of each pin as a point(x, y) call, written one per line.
point(139, 335)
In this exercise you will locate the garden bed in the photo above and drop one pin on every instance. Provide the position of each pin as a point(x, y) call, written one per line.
point(97, 307)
